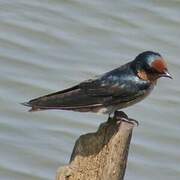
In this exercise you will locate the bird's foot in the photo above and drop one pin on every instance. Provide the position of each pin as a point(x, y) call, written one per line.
point(121, 116)
point(131, 121)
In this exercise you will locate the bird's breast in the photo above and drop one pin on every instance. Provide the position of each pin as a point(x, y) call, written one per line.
point(121, 103)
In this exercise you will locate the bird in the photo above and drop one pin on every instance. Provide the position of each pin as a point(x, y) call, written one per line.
point(111, 91)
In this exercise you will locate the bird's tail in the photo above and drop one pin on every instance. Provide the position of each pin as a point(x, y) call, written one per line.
point(50, 101)
point(33, 107)
point(73, 98)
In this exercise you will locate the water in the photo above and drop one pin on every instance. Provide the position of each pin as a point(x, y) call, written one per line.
point(46, 46)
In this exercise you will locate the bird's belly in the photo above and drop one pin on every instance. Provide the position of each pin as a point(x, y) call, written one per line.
point(131, 102)
point(120, 105)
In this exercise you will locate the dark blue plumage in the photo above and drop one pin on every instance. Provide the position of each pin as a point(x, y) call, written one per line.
point(111, 91)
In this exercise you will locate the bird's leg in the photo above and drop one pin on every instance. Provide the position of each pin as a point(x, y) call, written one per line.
point(121, 116)
point(110, 117)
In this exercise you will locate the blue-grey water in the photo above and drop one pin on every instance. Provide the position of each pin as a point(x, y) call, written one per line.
point(48, 45)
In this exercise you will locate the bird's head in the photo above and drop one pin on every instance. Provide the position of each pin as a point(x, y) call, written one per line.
point(151, 66)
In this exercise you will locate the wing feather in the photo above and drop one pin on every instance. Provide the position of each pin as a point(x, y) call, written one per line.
point(89, 95)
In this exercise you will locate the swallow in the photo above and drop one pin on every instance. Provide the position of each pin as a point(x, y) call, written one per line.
point(114, 90)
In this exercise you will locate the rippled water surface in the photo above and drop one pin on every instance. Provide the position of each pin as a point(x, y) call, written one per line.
point(46, 46)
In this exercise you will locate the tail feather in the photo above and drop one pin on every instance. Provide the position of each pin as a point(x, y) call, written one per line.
point(25, 104)
point(33, 108)
point(69, 99)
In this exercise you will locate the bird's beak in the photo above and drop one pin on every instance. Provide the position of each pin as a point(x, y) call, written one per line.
point(166, 74)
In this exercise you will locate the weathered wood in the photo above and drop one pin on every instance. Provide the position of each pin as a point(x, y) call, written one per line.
point(101, 155)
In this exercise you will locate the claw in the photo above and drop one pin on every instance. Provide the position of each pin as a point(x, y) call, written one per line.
point(121, 116)
point(131, 121)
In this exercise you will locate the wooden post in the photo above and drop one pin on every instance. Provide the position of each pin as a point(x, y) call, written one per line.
point(101, 155)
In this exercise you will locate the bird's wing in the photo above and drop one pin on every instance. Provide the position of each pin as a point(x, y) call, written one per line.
point(113, 89)
point(107, 86)
point(86, 96)
point(74, 98)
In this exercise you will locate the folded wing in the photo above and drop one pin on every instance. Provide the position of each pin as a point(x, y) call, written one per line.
point(90, 95)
